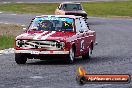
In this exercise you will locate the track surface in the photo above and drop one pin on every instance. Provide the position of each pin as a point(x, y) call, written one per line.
point(113, 54)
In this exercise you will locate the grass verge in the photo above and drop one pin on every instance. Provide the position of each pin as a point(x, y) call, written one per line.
point(115, 8)
point(44, 8)
point(7, 35)
point(6, 41)
point(107, 9)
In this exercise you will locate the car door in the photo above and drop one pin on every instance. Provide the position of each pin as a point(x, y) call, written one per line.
point(86, 37)
point(80, 37)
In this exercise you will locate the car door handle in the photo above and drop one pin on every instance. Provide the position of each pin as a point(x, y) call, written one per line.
point(86, 34)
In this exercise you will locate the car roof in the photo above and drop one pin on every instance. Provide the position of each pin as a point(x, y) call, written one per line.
point(70, 3)
point(69, 16)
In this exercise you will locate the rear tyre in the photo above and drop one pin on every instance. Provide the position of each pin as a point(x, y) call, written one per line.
point(20, 59)
point(71, 56)
point(87, 55)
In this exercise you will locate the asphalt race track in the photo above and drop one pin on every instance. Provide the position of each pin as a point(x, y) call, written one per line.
point(112, 55)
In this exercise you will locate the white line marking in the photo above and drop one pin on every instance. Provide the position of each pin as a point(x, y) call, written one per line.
point(111, 18)
point(1, 12)
point(11, 23)
point(6, 23)
point(19, 2)
point(6, 2)
point(7, 51)
point(36, 77)
point(46, 36)
point(13, 14)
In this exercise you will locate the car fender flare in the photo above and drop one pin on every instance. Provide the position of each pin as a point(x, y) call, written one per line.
point(91, 45)
point(72, 44)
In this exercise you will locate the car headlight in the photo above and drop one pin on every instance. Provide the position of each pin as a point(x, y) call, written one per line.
point(60, 44)
point(20, 43)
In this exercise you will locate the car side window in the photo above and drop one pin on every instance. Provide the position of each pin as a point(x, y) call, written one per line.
point(78, 25)
point(84, 26)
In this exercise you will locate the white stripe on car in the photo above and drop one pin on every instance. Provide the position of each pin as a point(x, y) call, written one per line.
point(39, 35)
point(46, 36)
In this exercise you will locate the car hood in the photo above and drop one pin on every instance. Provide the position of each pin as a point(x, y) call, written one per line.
point(45, 35)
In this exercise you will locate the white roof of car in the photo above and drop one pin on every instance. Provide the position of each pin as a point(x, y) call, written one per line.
point(69, 16)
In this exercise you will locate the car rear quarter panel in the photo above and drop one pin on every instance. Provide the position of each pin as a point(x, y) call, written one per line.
point(93, 36)
point(73, 42)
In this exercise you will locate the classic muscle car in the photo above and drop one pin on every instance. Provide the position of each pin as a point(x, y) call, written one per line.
point(63, 36)
point(71, 8)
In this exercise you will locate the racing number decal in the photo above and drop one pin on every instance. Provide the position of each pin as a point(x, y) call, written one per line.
point(82, 45)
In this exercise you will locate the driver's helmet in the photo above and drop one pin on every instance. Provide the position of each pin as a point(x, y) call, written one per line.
point(45, 24)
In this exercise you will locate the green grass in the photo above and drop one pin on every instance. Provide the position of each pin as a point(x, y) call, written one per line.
point(116, 8)
point(109, 8)
point(44, 8)
point(6, 41)
point(7, 35)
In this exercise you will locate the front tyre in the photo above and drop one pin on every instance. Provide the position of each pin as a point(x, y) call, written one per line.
point(20, 59)
point(71, 56)
point(88, 54)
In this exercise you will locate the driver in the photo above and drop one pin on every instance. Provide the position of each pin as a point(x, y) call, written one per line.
point(45, 25)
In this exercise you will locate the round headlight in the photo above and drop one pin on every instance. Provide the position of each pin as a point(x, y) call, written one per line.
point(62, 44)
point(20, 43)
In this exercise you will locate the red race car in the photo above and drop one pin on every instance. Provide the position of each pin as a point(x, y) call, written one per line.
point(50, 36)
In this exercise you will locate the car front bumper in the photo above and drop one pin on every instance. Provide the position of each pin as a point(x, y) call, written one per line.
point(35, 52)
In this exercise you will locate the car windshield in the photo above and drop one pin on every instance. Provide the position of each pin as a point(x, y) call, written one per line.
point(72, 7)
point(52, 24)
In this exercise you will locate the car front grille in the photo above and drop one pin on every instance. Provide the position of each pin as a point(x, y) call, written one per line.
point(33, 44)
